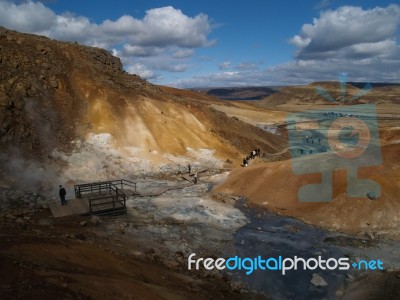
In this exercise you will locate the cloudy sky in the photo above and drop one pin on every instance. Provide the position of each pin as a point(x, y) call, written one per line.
point(227, 43)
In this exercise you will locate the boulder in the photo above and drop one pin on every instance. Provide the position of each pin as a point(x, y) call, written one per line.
point(95, 220)
point(318, 281)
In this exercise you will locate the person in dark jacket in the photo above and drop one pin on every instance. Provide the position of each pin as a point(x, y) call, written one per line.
point(62, 192)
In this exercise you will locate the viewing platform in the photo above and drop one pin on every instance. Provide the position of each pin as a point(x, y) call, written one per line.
point(97, 198)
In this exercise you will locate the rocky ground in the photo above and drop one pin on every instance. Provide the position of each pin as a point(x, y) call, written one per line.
point(143, 255)
point(137, 256)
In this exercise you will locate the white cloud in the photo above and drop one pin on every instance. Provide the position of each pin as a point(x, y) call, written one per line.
point(247, 66)
point(386, 48)
point(224, 65)
point(168, 26)
point(141, 70)
point(161, 27)
point(124, 25)
point(133, 50)
point(166, 63)
point(183, 53)
point(70, 27)
point(336, 31)
point(176, 68)
point(28, 16)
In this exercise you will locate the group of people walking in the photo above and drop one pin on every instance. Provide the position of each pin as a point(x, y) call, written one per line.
point(253, 154)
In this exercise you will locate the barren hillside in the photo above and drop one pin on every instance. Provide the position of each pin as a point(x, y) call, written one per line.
point(275, 186)
point(73, 106)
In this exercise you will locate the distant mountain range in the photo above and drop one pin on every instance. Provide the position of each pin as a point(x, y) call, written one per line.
point(240, 93)
point(373, 84)
point(261, 92)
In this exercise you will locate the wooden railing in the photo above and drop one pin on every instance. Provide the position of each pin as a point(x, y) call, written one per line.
point(105, 196)
point(124, 182)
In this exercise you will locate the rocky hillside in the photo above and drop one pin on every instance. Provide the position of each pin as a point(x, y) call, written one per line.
point(41, 104)
point(74, 106)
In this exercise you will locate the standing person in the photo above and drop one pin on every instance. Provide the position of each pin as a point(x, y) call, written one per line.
point(62, 192)
point(190, 168)
point(195, 178)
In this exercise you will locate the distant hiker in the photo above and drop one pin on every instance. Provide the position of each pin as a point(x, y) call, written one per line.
point(195, 178)
point(62, 192)
point(258, 152)
point(190, 168)
point(245, 161)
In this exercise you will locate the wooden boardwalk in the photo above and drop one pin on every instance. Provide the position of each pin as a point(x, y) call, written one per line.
point(190, 177)
point(101, 198)
point(153, 193)
point(106, 198)
point(74, 207)
point(80, 206)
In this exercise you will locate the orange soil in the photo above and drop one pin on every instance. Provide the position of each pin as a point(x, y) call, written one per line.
point(274, 187)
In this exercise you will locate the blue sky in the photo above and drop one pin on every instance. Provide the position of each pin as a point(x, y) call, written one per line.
point(227, 43)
